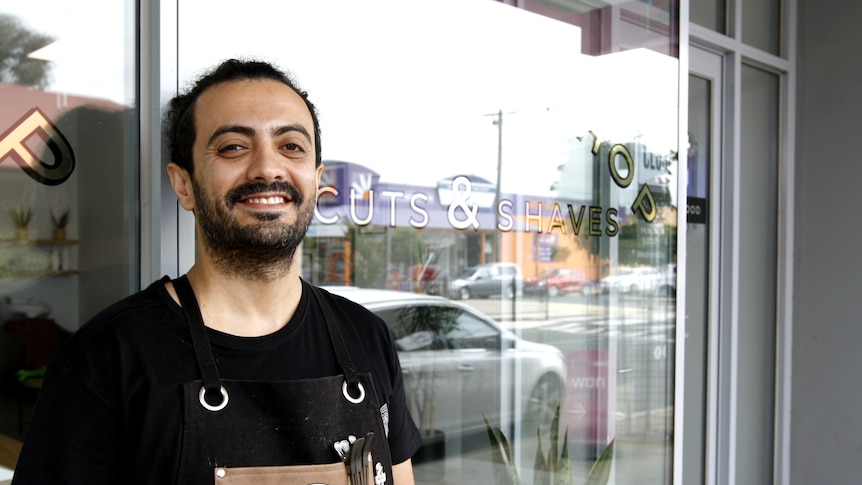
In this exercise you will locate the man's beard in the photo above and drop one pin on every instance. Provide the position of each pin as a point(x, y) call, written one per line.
point(261, 251)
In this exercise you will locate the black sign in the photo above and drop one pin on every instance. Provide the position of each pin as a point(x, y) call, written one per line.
point(695, 210)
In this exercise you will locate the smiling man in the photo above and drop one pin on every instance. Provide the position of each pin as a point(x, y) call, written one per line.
point(255, 193)
point(239, 366)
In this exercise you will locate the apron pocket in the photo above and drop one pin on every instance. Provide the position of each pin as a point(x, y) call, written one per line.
point(329, 474)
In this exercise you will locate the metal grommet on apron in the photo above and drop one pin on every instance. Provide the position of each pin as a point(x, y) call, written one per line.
point(255, 425)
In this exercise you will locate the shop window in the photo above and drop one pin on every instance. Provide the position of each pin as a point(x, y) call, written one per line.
point(67, 175)
point(481, 146)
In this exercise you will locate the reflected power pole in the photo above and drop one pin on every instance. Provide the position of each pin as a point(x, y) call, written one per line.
point(498, 121)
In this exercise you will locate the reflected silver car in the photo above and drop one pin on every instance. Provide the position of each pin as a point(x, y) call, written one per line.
point(459, 365)
point(490, 279)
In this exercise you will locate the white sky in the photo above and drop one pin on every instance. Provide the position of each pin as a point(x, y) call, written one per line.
point(92, 38)
point(403, 87)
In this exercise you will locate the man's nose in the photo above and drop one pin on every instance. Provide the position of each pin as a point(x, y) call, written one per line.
point(267, 164)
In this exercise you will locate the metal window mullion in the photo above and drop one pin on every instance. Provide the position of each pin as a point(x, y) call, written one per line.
point(681, 255)
point(176, 224)
point(784, 305)
point(729, 290)
point(149, 146)
point(714, 265)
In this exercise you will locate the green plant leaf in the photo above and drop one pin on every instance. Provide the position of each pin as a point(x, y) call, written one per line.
point(540, 465)
point(61, 220)
point(505, 470)
point(553, 470)
point(512, 466)
point(496, 447)
point(555, 435)
point(555, 443)
point(21, 216)
point(564, 464)
point(600, 472)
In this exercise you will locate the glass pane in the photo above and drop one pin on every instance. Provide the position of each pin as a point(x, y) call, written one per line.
point(697, 278)
point(761, 24)
point(67, 171)
point(711, 14)
point(470, 147)
point(758, 228)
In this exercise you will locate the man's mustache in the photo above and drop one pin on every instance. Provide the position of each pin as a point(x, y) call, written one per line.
point(254, 188)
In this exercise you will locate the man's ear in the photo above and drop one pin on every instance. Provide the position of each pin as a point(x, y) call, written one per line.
point(181, 182)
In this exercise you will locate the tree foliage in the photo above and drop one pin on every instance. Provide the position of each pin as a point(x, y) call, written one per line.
point(369, 262)
point(408, 247)
point(16, 43)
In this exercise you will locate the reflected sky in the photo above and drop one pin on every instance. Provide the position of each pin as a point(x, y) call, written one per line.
point(409, 89)
point(92, 39)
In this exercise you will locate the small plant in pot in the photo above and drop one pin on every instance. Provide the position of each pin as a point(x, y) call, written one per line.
point(60, 218)
point(21, 216)
point(553, 469)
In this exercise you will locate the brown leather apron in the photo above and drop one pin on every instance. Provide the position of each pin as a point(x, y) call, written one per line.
point(253, 430)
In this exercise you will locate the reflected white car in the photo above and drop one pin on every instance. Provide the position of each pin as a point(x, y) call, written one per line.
point(632, 280)
point(460, 366)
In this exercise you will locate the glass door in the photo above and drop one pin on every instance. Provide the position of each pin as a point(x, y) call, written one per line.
point(733, 226)
point(702, 260)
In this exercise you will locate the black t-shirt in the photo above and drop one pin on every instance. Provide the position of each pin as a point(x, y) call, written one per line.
point(111, 406)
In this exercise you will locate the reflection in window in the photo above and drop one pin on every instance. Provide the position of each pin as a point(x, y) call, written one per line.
point(472, 333)
point(552, 146)
point(711, 14)
point(68, 173)
point(422, 327)
point(761, 24)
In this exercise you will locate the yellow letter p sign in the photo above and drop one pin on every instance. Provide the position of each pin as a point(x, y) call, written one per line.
point(13, 144)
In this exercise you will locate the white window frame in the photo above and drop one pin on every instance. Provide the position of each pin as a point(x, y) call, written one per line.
point(736, 54)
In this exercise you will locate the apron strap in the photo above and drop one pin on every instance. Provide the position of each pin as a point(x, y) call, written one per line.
point(207, 364)
point(339, 346)
point(200, 341)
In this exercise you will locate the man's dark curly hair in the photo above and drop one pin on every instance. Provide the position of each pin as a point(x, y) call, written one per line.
point(179, 120)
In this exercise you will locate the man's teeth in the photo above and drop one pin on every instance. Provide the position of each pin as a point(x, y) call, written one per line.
point(266, 200)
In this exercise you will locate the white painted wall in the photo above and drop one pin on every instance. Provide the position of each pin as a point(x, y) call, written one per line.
point(827, 336)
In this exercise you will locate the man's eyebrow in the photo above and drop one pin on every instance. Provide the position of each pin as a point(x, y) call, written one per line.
point(292, 127)
point(249, 131)
point(242, 130)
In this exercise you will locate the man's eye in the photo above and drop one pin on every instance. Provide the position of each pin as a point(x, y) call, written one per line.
point(293, 147)
point(230, 148)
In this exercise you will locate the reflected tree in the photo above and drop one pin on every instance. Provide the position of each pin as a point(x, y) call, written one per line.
point(369, 262)
point(424, 328)
point(410, 251)
point(408, 248)
point(16, 44)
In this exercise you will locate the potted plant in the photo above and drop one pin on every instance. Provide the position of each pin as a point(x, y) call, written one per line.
point(60, 218)
point(21, 216)
point(553, 469)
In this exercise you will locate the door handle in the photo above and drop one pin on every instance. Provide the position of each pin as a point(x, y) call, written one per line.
point(466, 368)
